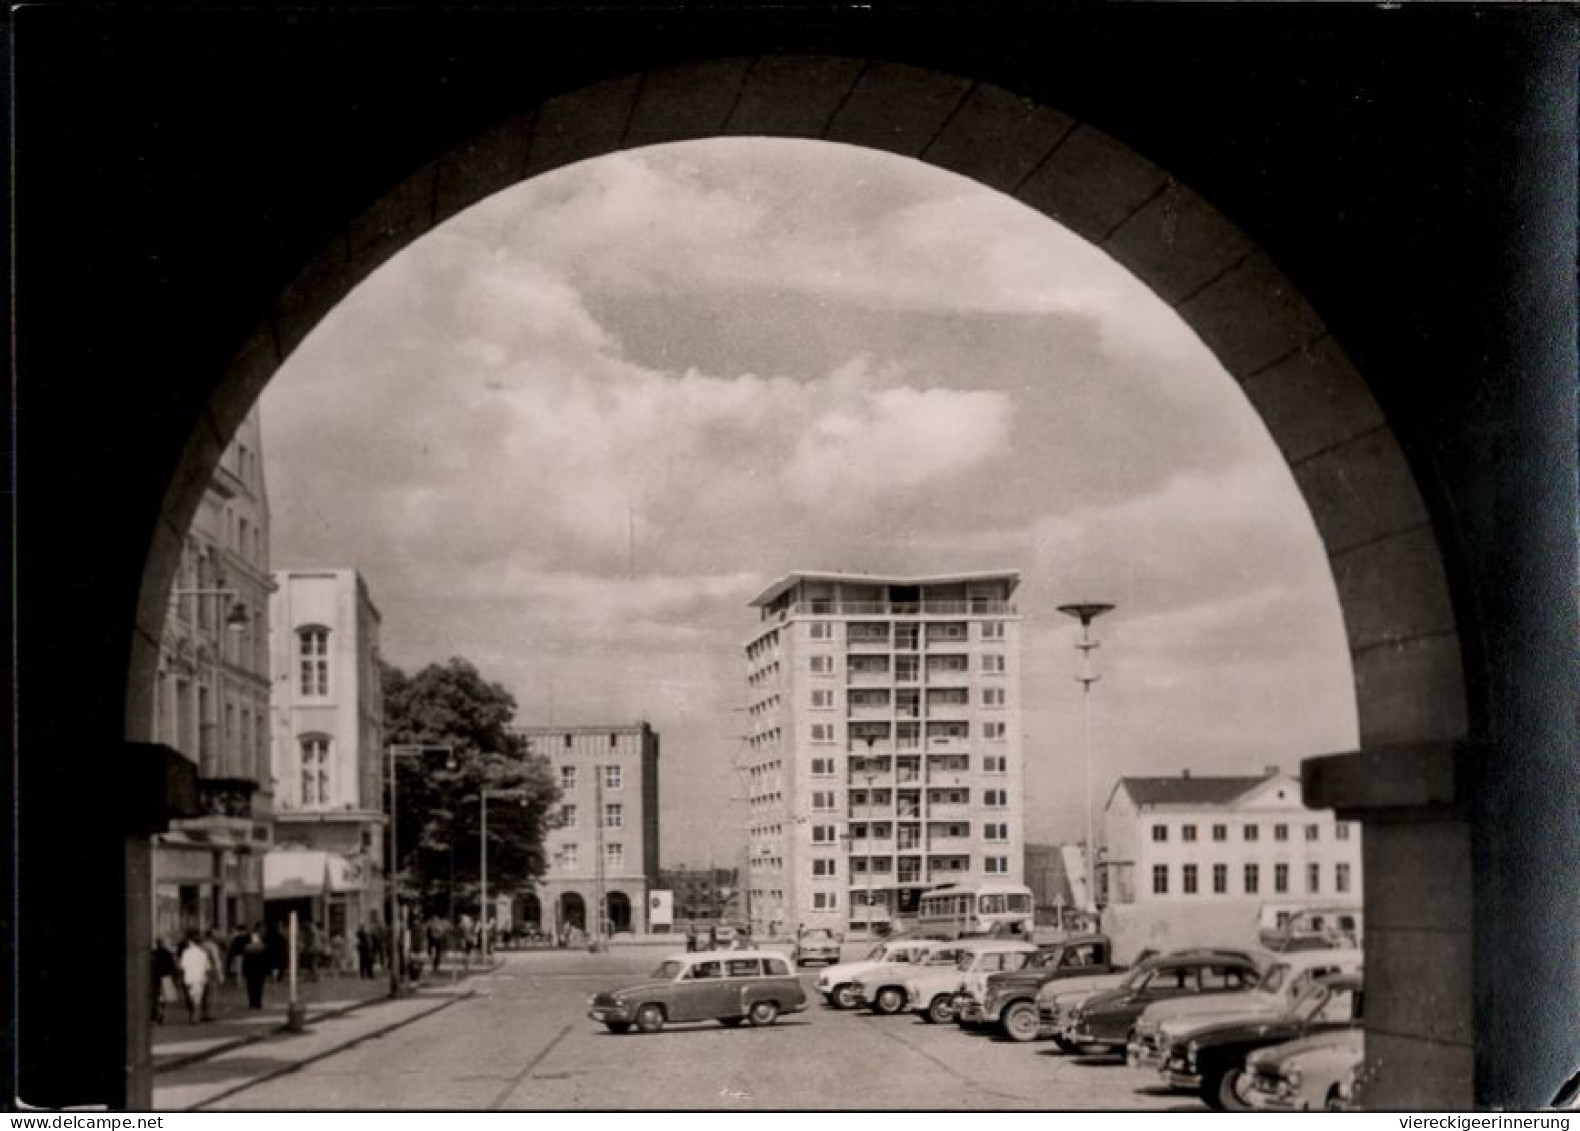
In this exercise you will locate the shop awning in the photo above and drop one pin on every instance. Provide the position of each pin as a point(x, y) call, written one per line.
point(297, 873)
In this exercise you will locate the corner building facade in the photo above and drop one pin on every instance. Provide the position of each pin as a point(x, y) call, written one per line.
point(885, 748)
point(603, 846)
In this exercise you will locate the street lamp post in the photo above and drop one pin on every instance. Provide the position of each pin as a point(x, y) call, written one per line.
point(1086, 613)
point(397, 955)
point(483, 862)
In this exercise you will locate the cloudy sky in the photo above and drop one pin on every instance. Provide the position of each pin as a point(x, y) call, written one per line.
point(572, 433)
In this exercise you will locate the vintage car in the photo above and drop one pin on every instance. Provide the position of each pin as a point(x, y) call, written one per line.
point(1105, 1020)
point(1057, 999)
point(1285, 977)
point(837, 983)
point(931, 992)
point(1210, 1058)
point(1315, 928)
point(1315, 1073)
point(1008, 999)
point(816, 944)
point(882, 988)
point(728, 986)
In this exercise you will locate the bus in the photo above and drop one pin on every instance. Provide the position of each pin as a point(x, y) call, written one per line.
point(957, 911)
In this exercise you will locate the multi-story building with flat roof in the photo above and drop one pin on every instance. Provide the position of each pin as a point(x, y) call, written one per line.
point(328, 860)
point(1241, 852)
point(603, 846)
point(885, 748)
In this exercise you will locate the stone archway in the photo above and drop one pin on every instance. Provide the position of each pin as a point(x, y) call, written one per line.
point(572, 911)
point(1385, 556)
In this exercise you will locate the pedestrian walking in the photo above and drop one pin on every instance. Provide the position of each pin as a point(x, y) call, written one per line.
point(166, 975)
point(364, 952)
point(438, 932)
point(255, 967)
point(194, 973)
point(216, 974)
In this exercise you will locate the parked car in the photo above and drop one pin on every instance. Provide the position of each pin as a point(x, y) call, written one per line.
point(1315, 1073)
point(728, 986)
point(816, 944)
point(1313, 928)
point(1106, 1019)
point(1209, 1059)
point(1057, 999)
point(882, 988)
point(1285, 977)
point(837, 983)
point(931, 991)
point(1008, 999)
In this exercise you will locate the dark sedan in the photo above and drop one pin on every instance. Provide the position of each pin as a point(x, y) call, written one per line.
point(1210, 1060)
point(1104, 1020)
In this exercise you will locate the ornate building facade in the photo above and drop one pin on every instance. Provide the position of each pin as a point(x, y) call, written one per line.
point(211, 701)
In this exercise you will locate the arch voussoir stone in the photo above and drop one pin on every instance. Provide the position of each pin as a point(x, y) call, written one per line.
point(793, 96)
point(1177, 243)
point(582, 123)
point(998, 138)
point(491, 162)
point(1360, 491)
point(1251, 316)
point(683, 103)
point(1313, 400)
point(1091, 183)
point(897, 108)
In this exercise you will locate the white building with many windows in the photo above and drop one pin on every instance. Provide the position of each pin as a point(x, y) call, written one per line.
point(884, 754)
point(328, 861)
point(1228, 850)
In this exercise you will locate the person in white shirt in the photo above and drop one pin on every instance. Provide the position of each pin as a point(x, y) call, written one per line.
point(194, 973)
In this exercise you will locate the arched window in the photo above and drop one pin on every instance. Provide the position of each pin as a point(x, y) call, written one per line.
point(315, 770)
point(312, 653)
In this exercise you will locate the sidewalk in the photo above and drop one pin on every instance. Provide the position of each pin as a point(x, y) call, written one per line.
point(196, 1064)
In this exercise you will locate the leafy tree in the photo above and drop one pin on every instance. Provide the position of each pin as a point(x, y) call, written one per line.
point(439, 795)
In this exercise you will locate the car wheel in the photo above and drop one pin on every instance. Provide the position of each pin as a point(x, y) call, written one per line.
point(649, 1019)
point(617, 1026)
point(942, 1009)
point(731, 1022)
point(890, 999)
point(1231, 1090)
point(763, 1013)
point(1020, 1021)
point(843, 997)
point(1335, 1100)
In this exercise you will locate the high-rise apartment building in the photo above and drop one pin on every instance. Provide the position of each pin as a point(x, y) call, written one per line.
point(329, 789)
point(885, 753)
point(602, 847)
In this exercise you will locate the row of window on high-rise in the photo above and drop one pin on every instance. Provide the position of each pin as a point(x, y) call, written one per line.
point(1250, 879)
point(941, 731)
point(906, 634)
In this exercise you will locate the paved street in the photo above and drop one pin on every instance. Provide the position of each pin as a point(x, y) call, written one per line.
point(522, 1040)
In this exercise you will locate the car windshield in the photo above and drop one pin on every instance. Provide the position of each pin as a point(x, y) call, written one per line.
point(668, 969)
point(1137, 977)
point(1276, 977)
point(877, 952)
point(1319, 1002)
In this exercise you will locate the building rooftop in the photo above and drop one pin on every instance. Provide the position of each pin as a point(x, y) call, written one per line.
point(790, 580)
point(1189, 789)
